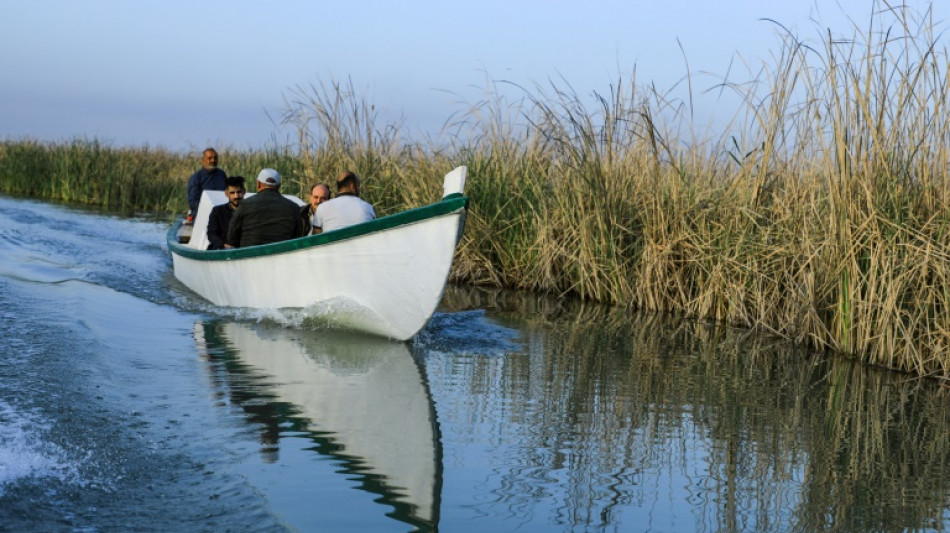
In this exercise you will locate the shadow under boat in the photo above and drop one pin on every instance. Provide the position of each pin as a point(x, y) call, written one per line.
point(363, 401)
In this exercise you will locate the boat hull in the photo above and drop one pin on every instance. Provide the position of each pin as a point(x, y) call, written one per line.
point(386, 282)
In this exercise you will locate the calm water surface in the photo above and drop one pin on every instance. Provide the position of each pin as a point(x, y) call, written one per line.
point(128, 404)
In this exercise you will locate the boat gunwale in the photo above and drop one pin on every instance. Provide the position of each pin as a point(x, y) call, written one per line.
point(450, 204)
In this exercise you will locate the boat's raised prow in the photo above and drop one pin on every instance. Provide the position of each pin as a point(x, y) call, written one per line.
point(454, 182)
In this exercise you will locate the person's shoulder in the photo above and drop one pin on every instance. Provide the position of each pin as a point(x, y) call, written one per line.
point(333, 203)
point(368, 208)
point(288, 200)
point(348, 199)
point(252, 199)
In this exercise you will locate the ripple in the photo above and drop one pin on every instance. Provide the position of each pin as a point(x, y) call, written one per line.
point(467, 332)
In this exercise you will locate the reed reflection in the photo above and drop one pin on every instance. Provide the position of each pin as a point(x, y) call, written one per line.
point(610, 419)
point(361, 400)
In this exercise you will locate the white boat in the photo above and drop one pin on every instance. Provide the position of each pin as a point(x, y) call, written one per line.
point(384, 277)
point(364, 401)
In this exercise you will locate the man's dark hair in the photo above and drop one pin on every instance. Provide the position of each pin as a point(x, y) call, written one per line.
point(234, 181)
point(346, 179)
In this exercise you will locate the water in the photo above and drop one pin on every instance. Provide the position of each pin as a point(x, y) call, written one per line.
point(127, 404)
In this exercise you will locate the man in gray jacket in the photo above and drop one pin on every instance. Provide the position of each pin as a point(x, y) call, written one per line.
point(265, 217)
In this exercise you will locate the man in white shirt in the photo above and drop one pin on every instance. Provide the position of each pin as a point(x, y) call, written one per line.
point(344, 210)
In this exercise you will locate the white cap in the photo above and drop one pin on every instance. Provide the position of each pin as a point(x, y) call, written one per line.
point(269, 177)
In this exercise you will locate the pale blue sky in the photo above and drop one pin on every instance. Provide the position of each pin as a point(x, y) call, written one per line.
point(186, 73)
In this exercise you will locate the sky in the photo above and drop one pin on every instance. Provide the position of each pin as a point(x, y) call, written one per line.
point(187, 74)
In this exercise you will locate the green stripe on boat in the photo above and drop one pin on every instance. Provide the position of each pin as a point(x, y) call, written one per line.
point(449, 204)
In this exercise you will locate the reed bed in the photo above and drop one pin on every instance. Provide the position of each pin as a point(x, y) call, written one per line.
point(818, 214)
point(87, 172)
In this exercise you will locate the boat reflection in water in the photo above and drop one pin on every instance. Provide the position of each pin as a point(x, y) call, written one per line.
point(362, 401)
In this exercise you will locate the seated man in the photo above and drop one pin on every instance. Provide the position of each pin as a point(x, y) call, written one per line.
point(220, 216)
point(319, 193)
point(344, 210)
point(265, 217)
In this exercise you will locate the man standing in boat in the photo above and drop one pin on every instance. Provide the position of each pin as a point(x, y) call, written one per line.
point(265, 217)
point(209, 177)
point(344, 210)
point(319, 193)
point(220, 218)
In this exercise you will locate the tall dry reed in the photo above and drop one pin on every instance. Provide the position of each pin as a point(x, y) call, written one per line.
point(822, 219)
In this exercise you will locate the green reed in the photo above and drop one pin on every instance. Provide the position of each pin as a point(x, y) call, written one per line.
point(88, 172)
point(818, 214)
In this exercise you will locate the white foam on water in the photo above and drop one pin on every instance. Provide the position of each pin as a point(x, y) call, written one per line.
point(337, 314)
point(24, 454)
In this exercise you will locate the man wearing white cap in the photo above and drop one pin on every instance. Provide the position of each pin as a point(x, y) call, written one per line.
point(265, 217)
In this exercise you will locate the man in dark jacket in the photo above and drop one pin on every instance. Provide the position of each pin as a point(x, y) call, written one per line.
point(319, 193)
point(208, 177)
point(220, 217)
point(265, 217)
